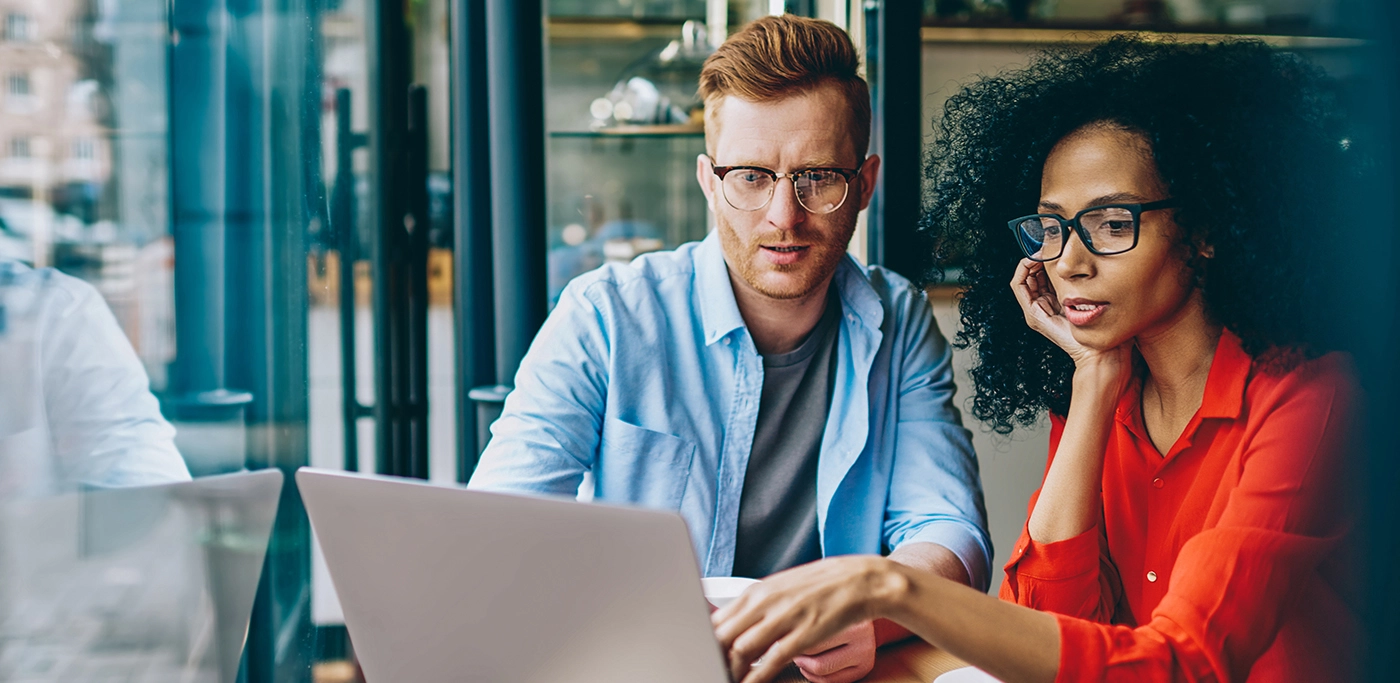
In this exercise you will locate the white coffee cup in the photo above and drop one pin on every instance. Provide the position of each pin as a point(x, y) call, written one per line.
point(722, 590)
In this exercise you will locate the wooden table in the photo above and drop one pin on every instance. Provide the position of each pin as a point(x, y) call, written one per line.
point(913, 661)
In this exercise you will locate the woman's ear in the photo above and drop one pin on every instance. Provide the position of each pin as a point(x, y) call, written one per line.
point(1204, 249)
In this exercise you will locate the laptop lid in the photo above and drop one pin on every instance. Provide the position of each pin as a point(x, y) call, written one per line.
point(151, 583)
point(440, 583)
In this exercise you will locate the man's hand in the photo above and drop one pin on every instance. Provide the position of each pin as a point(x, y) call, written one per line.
point(847, 657)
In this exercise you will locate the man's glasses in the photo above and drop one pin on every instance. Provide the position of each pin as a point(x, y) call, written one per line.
point(819, 190)
point(1105, 230)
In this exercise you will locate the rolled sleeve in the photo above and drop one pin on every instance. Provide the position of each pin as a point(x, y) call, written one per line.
point(964, 540)
point(935, 488)
point(549, 431)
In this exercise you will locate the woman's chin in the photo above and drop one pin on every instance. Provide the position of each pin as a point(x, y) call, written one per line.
point(1098, 340)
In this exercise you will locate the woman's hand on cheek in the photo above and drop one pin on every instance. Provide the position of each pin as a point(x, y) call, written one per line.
point(1041, 307)
point(791, 612)
point(1106, 368)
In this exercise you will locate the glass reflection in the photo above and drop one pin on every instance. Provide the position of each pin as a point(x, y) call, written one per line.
point(148, 584)
point(75, 403)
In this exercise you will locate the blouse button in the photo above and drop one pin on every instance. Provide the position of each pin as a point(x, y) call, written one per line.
point(1158, 483)
point(1152, 577)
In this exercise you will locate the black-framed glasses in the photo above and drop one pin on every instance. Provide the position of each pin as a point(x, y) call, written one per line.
point(819, 190)
point(1105, 230)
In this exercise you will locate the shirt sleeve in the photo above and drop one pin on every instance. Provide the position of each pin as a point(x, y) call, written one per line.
point(106, 426)
point(1074, 577)
point(1233, 585)
point(935, 493)
point(550, 427)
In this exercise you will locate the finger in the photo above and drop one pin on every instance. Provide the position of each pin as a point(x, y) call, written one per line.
point(846, 675)
point(829, 644)
point(824, 664)
point(773, 662)
point(735, 618)
point(1019, 286)
point(1047, 289)
point(757, 642)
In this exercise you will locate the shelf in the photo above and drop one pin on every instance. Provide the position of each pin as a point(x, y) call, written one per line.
point(1090, 36)
point(666, 131)
point(605, 28)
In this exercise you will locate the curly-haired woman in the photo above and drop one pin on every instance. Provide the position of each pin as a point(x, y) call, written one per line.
point(1167, 206)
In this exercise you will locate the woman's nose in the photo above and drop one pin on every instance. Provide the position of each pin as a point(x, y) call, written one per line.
point(1076, 260)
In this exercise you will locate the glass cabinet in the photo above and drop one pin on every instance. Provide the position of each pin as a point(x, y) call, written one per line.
point(622, 141)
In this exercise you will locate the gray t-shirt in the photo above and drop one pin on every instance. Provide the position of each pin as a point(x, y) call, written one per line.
point(778, 508)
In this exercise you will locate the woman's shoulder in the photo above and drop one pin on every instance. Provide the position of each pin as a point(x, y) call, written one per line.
point(1327, 382)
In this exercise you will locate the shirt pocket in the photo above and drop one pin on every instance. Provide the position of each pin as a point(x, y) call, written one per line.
point(643, 466)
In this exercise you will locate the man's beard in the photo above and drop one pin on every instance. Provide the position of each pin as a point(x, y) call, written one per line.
point(825, 252)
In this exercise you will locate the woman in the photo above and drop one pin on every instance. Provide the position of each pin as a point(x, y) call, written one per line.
point(1170, 207)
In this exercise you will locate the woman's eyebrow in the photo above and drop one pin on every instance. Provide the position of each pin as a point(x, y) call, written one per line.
point(1115, 198)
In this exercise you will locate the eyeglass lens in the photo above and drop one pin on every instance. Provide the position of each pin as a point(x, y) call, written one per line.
point(1110, 230)
point(818, 191)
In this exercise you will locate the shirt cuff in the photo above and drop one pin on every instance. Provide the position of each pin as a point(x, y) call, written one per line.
point(1065, 559)
point(972, 550)
point(1083, 651)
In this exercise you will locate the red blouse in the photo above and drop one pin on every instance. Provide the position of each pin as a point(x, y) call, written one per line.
point(1223, 559)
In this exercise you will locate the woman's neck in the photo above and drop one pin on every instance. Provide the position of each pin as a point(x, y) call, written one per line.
point(1178, 358)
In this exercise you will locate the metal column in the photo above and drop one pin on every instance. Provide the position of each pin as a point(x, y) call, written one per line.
point(893, 38)
point(471, 183)
point(400, 225)
point(515, 58)
point(197, 138)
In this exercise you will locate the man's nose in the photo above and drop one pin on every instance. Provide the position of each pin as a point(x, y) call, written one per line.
point(784, 211)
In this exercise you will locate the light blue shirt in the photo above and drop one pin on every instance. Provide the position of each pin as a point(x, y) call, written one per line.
point(646, 375)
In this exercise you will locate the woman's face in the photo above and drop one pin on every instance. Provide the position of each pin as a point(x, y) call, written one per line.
point(1140, 293)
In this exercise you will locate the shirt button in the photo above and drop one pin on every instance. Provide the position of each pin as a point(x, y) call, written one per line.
point(726, 341)
point(1158, 483)
point(1152, 577)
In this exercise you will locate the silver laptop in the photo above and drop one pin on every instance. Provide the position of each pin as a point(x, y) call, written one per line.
point(440, 584)
point(151, 584)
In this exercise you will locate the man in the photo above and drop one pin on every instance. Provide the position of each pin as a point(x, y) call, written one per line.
point(75, 404)
point(788, 402)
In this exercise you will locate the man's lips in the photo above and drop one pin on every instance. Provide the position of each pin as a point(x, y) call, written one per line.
point(784, 254)
point(1082, 311)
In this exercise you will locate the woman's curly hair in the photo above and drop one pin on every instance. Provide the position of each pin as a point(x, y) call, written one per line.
point(1246, 138)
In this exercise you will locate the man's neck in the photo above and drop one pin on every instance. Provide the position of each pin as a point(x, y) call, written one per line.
point(778, 325)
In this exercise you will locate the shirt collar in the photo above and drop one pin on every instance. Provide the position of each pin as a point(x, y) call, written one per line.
point(1229, 373)
point(1225, 386)
point(719, 312)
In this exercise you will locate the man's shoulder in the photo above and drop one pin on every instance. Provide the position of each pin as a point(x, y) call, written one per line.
point(897, 295)
point(46, 288)
point(657, 274)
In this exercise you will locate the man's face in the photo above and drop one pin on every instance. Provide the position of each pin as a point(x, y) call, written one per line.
point(783, 251)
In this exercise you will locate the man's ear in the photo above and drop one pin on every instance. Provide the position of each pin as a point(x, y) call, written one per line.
point(869, 173)
point(704, 173)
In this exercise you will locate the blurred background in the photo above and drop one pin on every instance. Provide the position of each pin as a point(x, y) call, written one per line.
point(331, 227)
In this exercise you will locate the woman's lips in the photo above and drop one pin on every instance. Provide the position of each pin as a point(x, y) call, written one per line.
point(1081, 312)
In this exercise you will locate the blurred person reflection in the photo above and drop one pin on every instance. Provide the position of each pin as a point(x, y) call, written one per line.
point(76, 409)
